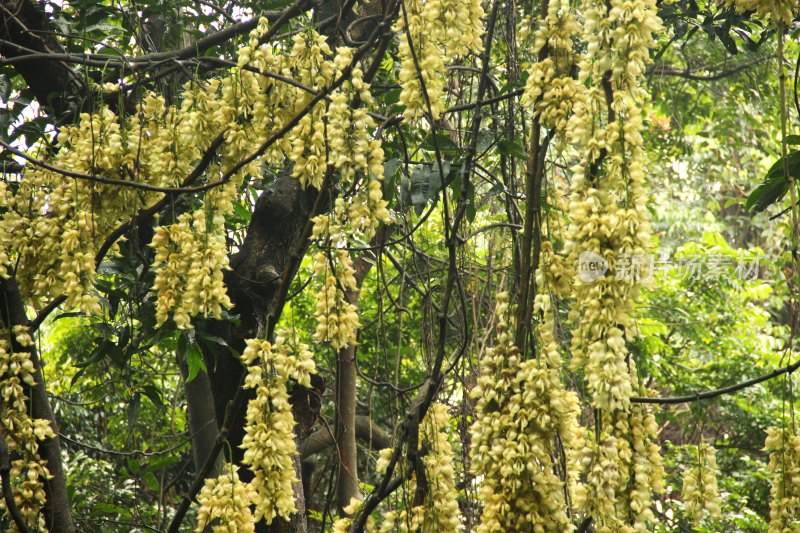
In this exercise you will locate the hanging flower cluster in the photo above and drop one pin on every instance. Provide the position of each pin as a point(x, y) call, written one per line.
point(439, 511)
point(623, 469)
point(608, 201)
point(225, 503)
point(783, 446)
point(342, 525)
point(521, 409)
point(437, 32)
point(269, 442)
point(337, 319)
point(550, 88)
point(193, 256)
point(777, 11)
point(308, 139)
point(54, 226)
point(700, 493)
point(356, 155)
point(21, 432)
point(352, 149)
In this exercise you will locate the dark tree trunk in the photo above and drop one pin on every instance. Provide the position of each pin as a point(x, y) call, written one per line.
point(24, 29)
point(276, 228)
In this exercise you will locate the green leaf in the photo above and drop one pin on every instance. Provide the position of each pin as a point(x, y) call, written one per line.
point(151, 481)
point(485, 140)
point(390, 97)
point(133, 409)
point(390, 178)
point(511, 148)
point(161, 463)
point(443, 142)
point(471, 210)
point(775, 185)
point(154, 395)
point(776, 170)
point(133, 466)
point(194, 359)
point(726, 40)
point(110, 508)
point(390, 167)
point(426, 183)
point(242, 212)
point(766, 194)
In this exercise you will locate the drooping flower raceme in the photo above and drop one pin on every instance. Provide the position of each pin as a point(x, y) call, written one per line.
point(225, 503)
point(440, 511)
point(700, 492)
point(622, 466)
point(776, 11)
point(522, 411)
point(783, 446)
point(551, 89)
point(607, 206)
point(437, 32)
point(21, 432)
point(269, 442)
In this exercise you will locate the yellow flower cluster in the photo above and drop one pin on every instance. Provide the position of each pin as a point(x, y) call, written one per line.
point(769, 10)
point(700, 493)
point(190, 258)
point(342, 525)
point(783, 446)
point(337, 319)
point(352, 148)
point(29, 477)
point(225, 504)
point(646, 467)
point(606, 465)
point(623, 469)
point(440, 510)
point(438, 31)
point(607, 204)
point(521, 411)
point(308, 151)
point(21, 432)
point(554, 274)
point(550, 88)
point(54, 226)
point(269, 440)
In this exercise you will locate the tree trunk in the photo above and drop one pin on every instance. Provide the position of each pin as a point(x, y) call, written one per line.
point(202, 421)
point(346, 385)
point(347, 394)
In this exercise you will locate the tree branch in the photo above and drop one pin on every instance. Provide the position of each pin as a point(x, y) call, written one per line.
point(367, 431)
point(663, 69)
point(719, 392)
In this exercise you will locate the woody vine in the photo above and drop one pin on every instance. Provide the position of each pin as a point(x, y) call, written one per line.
point(359, 143)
